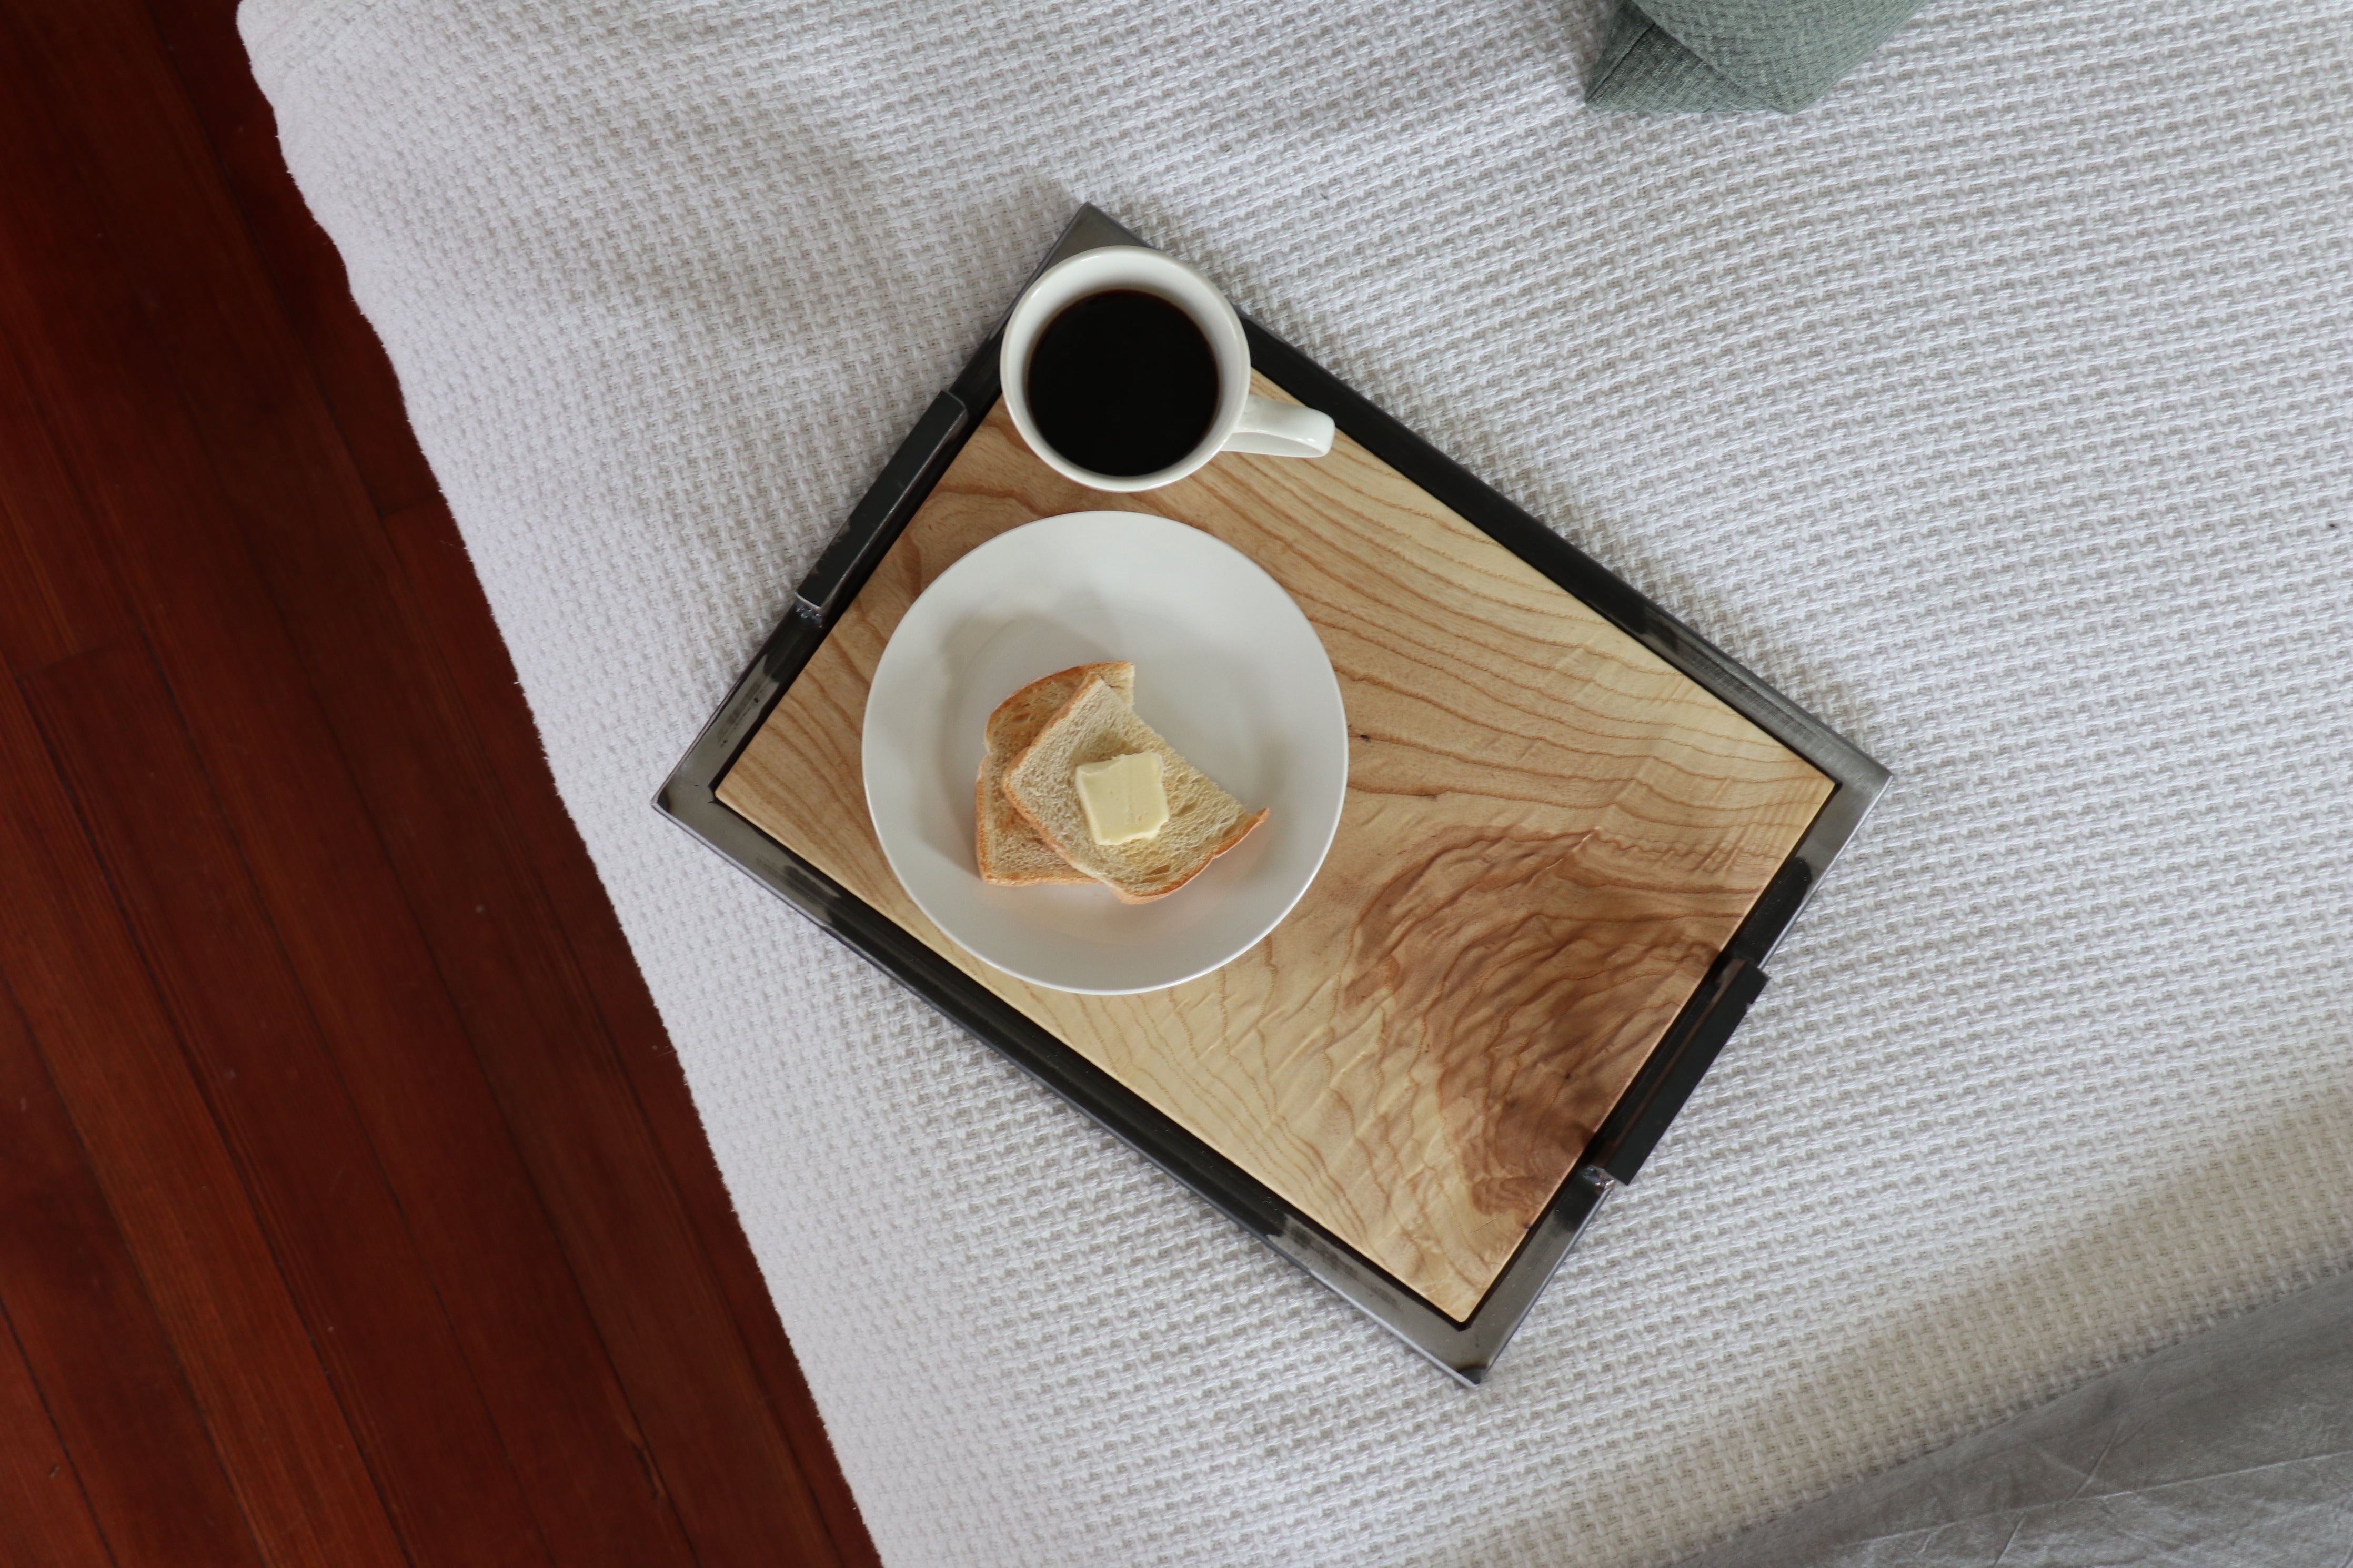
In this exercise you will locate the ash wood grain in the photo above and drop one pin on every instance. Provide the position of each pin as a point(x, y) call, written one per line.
point(1548, 836)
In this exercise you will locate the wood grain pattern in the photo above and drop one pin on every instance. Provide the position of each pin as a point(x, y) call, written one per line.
point(173, 1187)
point(93, 1342)
point(308, 953)
point(1549, 834)
point(274, 1089)
point(40, 1495)
point(488, 704)
point(354, 377)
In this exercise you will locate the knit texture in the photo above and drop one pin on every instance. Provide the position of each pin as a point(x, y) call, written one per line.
point(1721, 55)
point(2234, 1447)
point(1998, 411)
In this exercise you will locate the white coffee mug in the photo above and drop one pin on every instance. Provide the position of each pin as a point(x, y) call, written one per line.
point(1242, 423)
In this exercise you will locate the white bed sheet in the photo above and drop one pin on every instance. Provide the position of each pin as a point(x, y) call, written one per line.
point(1997, 409)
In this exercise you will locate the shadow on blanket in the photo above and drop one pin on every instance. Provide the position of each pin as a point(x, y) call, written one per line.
point(2145, 1465)
point(2234, 1447)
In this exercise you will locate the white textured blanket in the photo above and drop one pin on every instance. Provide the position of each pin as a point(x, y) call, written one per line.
point(1997, 409)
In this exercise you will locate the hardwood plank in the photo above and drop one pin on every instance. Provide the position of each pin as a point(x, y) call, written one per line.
point(353, 373)
point(94, 1343)
point(118, 1067)
point(45, 1521)
point(100, 70)
point(720, 1450)
point(307, 1159)
point(52, 602)
point(641, 1261)
point(1549, 835)
point(475, 1214)
point(537, 1354)
point(492, 705)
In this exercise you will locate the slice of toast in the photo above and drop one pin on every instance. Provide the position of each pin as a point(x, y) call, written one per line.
point(1097, 723)
point(1009, 851)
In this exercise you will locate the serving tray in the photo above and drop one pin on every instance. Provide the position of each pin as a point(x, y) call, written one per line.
point(1573, 833)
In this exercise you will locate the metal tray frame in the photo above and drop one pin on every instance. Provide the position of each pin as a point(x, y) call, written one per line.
point(1465, 1349)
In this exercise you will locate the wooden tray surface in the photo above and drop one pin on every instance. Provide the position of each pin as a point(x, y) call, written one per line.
point(1549, 835)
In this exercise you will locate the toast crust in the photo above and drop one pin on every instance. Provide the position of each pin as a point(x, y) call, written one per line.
point(1006, 848)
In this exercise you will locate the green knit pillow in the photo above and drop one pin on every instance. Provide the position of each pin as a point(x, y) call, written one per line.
point(1667, 55)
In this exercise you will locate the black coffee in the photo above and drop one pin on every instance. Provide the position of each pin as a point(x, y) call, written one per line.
point(1122, 383)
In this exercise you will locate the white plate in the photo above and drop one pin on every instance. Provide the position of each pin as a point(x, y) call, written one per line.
point(1226, 668)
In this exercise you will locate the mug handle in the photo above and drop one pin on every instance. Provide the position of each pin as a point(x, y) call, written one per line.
point(1280, 430)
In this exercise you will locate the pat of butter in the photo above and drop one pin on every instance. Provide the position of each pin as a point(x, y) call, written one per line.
point(1123, 797)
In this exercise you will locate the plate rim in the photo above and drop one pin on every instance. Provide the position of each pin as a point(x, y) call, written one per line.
point(1315, 868)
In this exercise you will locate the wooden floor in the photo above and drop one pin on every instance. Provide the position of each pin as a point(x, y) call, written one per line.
point(353, 1211)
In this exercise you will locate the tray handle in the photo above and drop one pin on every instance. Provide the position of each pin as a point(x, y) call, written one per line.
point(876, 521)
